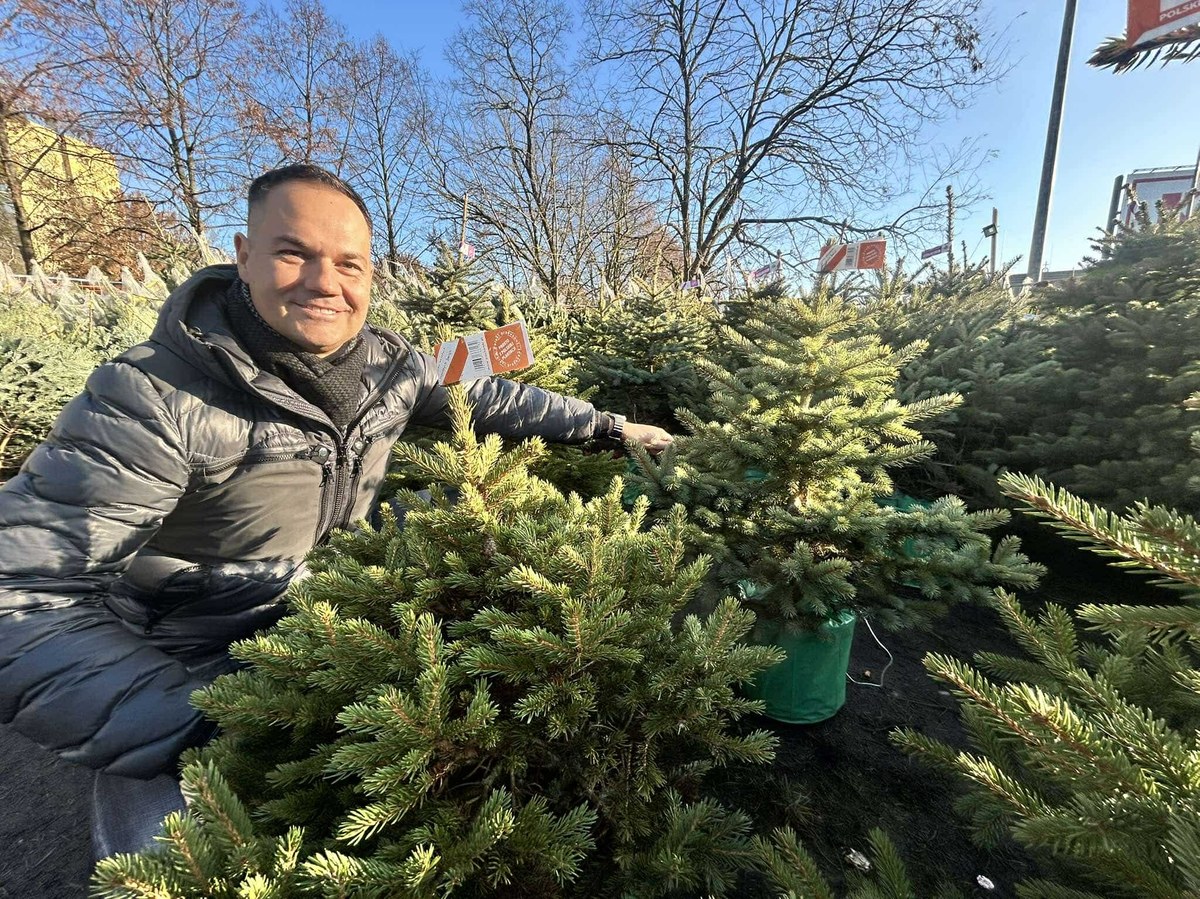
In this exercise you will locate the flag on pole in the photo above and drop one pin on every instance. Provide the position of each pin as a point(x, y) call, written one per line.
point(866, 254)
point(767, 271)
point(467, 250)
point(688, 285)
point(1150, 20)
point(936, 251)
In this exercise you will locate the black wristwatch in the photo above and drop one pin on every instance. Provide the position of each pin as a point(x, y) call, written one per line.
point(616, 432)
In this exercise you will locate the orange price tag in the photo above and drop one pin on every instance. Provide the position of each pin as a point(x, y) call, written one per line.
point(483, 354)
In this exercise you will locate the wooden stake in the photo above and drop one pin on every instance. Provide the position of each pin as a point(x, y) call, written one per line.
point(462, 243)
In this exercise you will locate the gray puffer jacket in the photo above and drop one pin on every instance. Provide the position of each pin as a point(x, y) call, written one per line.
point(173, 503)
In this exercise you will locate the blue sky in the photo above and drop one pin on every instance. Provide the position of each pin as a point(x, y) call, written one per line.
point(1112, 124)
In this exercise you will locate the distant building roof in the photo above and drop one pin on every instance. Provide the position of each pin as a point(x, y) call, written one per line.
point(1018, 282)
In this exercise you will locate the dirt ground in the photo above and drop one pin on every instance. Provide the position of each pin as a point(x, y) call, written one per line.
point(833, 781)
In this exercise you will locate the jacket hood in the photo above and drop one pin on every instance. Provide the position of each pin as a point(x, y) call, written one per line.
point(192, 321)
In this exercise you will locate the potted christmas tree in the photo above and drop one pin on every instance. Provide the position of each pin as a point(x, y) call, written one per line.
point(782, 481)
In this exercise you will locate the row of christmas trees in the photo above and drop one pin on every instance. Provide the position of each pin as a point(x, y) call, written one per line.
point(521, 692)
point(1082, 385)
point(541, 710)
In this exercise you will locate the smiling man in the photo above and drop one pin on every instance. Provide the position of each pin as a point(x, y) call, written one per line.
point(177, 496)
point(307, 260)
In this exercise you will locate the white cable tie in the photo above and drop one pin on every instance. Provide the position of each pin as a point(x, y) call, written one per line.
point(891, 658)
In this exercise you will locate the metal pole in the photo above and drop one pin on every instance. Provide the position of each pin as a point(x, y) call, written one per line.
point(1052, 134)
point(1114, 206)
point(995, 231)
point(462, 243)
point(1191, 210)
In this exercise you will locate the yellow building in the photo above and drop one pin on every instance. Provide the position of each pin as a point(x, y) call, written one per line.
point(65, 185)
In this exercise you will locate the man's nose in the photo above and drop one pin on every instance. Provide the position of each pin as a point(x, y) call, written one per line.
point(320, 276)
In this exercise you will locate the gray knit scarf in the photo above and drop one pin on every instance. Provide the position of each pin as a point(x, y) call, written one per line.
point(333, 384)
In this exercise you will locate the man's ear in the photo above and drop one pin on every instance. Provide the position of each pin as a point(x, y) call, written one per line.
point(241, 252)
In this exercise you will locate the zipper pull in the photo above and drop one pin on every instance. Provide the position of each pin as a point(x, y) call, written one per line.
point(360, 450)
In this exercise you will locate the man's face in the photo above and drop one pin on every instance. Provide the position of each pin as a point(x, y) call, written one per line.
point(307, 261)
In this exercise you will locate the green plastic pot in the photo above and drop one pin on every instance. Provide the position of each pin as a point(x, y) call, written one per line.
point(902, 502)
point(810, 684)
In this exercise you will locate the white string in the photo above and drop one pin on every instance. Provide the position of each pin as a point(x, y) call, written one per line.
point(867, 683)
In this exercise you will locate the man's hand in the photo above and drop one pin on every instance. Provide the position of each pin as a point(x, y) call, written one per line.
point(655, 440)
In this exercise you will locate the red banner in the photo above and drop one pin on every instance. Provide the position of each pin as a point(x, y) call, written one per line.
point(1150, 20)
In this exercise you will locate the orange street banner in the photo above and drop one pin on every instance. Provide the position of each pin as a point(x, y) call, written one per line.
point(1150, 20)
point(866, 254)
point(483, 354)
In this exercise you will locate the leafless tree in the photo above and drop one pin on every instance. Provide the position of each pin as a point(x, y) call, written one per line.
point(391, 115)
point(297, 99)
point(151, 79)
point(514, 141)
point(747, 117)
point(28, 70)
point(629, 241)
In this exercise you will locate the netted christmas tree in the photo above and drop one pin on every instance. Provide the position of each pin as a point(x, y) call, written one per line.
point(1104, 418)
point(53, 334)
point(638, 352)
point(980, 342)
point(783, 480)
point(490, 700)
point(450, 300)
point(1085, 751)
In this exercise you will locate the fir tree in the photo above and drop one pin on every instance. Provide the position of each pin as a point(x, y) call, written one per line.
point(489, 700)
point(639, 353)
point(1103, 417)
point(1086, 752)
point(447, 294)
point(978, 343)
point(783, 480)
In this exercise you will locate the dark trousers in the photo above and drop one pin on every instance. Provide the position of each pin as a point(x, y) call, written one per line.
point(127, 813)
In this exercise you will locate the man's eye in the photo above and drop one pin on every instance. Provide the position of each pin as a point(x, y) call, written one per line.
point(288, 254)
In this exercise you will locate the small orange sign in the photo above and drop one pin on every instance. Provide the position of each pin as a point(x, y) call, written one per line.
point(483, 354)
point(872, 253)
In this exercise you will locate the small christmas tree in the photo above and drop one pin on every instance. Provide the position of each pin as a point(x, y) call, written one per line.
point(448, 294)
point(639, 353)
point(783, 479)
point(489, 700)
point(1086, 753)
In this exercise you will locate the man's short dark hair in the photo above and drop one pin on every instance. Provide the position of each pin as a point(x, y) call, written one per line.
point(303, 171)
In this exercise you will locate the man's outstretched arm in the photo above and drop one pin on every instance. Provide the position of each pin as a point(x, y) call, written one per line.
point(519, 410)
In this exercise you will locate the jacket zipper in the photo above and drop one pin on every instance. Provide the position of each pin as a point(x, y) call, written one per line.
point(356, 465)
point(270, 457)
point(154, 616)
point(329, 470)
point(347, 468)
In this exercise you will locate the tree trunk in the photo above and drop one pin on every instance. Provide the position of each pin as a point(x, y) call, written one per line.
point(12, 182)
